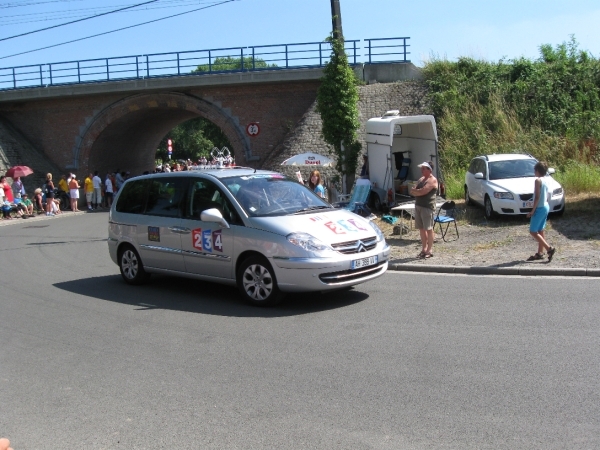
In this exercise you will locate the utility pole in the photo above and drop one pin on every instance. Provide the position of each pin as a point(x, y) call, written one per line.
point(336, 18)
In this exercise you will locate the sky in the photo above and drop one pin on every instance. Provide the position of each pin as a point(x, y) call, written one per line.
point(483, 29)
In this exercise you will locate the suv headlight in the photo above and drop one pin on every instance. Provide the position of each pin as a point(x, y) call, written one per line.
point(308, 243)
point(378, 232)
point(558, 191)
point(505, 195)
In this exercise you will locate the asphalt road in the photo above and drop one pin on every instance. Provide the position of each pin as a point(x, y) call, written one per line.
point(410, 361)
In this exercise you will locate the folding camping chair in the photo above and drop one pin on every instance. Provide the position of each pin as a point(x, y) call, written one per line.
point(358, 199)
point(446, 216)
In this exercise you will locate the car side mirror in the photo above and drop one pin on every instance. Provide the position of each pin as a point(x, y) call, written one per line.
point(213, 215)
point(551, 171)
point(479, 176)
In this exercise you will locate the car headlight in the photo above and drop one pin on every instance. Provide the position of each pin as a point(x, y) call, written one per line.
point(505, 195)
point(558, 191)
point(378, 232)
point(308, 243)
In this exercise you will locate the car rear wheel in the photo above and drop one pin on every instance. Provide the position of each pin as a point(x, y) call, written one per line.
point(468, 200)
point(132, 269)
point(256, 282)
point(488, 208)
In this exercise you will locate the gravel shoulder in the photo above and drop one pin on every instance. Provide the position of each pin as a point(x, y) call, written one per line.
point(505, 241)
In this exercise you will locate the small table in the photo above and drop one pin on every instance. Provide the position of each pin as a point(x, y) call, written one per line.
point(409, 208)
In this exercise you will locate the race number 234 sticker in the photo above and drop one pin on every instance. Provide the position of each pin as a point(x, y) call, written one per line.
point(207, 240)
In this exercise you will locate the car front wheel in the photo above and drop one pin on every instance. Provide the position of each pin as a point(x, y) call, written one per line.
point(132, 269)
point(256, 282)
point(488, 208)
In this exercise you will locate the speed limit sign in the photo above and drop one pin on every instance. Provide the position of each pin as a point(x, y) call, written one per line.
point(253, 129)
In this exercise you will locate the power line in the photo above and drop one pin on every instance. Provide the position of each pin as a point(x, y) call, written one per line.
point(78, 20)
point(81, 12)
point(17, 5)
point(119, 29)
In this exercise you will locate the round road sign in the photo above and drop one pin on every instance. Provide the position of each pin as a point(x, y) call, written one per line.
point(253, 129)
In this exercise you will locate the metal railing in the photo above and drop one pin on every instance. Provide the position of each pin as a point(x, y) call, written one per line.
point(198, 62)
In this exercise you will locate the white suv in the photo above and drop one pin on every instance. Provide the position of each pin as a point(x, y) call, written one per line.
point(503, 184)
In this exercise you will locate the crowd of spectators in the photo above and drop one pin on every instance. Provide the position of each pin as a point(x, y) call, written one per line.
point(51, 199)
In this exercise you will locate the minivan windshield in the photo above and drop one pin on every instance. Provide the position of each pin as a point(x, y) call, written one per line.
point(263, 195)
point(514, 168)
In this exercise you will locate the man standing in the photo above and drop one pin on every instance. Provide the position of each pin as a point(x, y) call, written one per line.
point(108, 190)
point(119, 179)
point(97, 182)
point(425, 193)
point(88, 187)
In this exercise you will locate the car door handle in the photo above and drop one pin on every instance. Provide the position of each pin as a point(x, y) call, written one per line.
point(180, 230)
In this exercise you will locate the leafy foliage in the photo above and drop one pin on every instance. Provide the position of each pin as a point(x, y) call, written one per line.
point(223, 64)
point(549, 107)
point(192, 140)
point(337, 100)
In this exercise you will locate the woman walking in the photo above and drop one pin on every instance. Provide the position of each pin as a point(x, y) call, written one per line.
point(539, 213)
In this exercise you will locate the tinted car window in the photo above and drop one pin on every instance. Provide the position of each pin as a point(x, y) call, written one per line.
point(516, 168)
point(133, 197)
point(165, 197)
point(473, 166)
point(204, 194)
point(480, 167)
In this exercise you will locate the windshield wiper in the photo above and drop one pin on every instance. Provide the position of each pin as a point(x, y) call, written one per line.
point(311, 208)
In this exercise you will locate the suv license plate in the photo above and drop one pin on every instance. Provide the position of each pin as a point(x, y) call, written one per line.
point(528, 204)
point(358, 263)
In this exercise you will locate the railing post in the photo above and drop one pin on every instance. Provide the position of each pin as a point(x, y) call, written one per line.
point(50, 73)
point(137, 67)
point(41, 76)
point(253, 59)
point(107, 72)
point(286, 57)
point(369, 40)
point(404, 40)
point(178, 71)
point(354, 48)
point(242, 58)
point(147, 67)
point(78, 73)
point(14, 79)
point(320, 55)
point(209, 61)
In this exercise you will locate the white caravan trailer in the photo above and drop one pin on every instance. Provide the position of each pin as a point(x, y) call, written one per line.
point(391, 140)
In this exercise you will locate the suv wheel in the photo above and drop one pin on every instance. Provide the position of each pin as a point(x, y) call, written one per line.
point(256, 282)
point(488, 208)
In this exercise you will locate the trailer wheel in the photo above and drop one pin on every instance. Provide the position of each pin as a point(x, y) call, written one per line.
point(375, 202)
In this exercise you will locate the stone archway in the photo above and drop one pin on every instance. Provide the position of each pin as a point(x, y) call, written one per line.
point(126, 134)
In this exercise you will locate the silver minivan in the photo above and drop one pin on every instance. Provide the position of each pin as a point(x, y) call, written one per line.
point(259, 230)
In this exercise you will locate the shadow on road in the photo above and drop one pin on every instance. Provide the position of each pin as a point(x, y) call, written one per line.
point(181, 294)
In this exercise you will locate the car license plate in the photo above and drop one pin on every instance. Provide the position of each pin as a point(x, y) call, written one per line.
point(358, 263)
point(527, 204)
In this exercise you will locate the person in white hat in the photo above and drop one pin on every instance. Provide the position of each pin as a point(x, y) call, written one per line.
point(425, 193)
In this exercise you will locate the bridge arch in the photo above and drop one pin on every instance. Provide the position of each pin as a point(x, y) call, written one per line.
point(125, 134)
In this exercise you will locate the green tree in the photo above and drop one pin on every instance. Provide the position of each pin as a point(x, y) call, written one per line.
point(337, 100)
point(222, 64)
point(192, 140)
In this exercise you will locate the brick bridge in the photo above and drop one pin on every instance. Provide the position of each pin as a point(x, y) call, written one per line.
point(104, 126)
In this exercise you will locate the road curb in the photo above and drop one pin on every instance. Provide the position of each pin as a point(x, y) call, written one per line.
point(477, 270)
